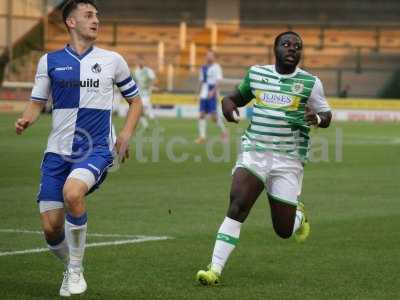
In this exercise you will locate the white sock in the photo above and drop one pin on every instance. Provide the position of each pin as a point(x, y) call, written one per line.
point(144, 122)
point(227, 238)
point(221, 124)
point(297, 220)
point(75, 232)
point(61, 251)
point(202, 128)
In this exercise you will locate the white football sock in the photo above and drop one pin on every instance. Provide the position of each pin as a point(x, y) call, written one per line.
point(202, 128)
point(61, 251)
point(227, 239)
point(297, 220)
point(76, 238)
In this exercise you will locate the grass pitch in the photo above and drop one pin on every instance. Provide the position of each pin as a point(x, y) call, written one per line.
point(352, 202)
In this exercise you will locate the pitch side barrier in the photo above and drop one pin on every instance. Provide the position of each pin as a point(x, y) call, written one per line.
point(348, 109)
point(13, 98)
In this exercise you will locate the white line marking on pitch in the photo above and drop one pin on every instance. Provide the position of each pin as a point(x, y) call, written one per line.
point(89, 234)
point(134, 239)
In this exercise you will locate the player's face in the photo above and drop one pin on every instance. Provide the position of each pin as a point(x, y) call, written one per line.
point(210, 57)
point(288, 51)
point(84, 20)
point(140, 62)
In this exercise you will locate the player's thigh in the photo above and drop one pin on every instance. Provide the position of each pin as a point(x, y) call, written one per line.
point(285, 180)
point(247, 184)
point(245, 187)
point(75, 189)
point(245, 190)
point(92, 171)
point(53, 221)
point(283, 188)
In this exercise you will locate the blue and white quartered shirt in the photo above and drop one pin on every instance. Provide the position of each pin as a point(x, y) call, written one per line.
point(82, 89)
point(209, 76)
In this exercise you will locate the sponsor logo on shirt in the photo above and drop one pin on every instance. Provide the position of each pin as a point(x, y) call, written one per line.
point(276, 99)
point(89, 83)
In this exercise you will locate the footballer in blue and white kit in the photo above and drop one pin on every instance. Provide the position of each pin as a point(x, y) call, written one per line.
point(210, 77)
point(80, 79)
point(82, 139)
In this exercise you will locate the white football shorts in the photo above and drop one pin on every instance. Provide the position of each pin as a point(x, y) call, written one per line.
point(281, 174)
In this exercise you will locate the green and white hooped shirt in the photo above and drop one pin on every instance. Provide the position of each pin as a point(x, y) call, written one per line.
point(144, 78)
point(277, 123)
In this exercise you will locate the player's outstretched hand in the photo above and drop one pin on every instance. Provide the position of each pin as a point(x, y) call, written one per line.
point(122, 146)
point(310, 117)
point(230, 110)
point(20, 125)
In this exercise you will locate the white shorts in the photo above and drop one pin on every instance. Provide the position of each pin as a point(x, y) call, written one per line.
point(282, 175)
point(83, 175)
point(146, 100)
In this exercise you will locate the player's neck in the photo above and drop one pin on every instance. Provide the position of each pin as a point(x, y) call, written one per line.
point(282, 69)
point(80, 45)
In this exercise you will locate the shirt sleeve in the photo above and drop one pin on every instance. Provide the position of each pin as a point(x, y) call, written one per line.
point(124, 80)
point(41, 87)
point(317, 101)
point(244, 87)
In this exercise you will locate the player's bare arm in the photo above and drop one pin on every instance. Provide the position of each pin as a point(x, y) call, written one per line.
point(29, 116)
point(322, 119)
point(231, 103)
point(132, 118)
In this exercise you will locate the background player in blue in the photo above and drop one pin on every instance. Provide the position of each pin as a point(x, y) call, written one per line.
point(210, 77)
point(80, 79)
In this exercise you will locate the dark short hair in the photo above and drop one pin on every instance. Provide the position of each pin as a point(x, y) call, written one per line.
point(285, 33)
point(71, 5)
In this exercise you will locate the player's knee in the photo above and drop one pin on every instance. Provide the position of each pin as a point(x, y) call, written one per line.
point(238, 209)
point(52, 231)
point(72, 197)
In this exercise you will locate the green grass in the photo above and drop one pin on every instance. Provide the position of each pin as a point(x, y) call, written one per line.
point(354, 208)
